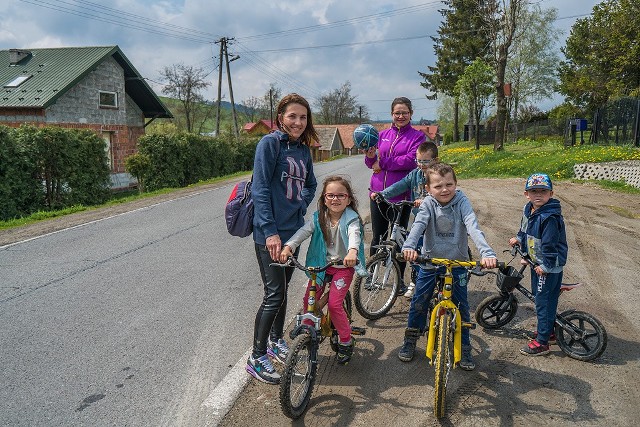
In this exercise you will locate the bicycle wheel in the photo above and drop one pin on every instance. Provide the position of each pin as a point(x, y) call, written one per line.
point(374, 295)
point(580, 335)
point(496, 311)
point(444, 363)
point(296, 383)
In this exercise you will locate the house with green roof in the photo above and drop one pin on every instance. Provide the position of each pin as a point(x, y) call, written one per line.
point(80, 87)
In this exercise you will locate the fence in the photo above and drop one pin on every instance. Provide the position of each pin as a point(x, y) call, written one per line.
point(617, 123)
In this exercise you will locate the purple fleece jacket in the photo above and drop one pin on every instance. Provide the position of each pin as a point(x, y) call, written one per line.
point(397, 157)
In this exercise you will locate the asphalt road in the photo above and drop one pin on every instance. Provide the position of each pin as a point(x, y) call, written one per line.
point(133, 319)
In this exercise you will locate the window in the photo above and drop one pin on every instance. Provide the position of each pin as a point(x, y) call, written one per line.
point(109, 99)
point(18, 81)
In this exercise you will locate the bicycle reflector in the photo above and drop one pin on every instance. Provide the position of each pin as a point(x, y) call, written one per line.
point(508, 278)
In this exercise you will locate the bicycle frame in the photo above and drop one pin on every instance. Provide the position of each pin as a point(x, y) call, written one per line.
point(446, 304)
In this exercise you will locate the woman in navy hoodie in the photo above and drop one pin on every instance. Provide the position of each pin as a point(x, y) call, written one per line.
point(283, 186)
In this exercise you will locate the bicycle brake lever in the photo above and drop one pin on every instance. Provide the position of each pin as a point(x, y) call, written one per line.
point(477, 271)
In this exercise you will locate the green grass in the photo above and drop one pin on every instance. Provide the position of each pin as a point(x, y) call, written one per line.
point(520, 159)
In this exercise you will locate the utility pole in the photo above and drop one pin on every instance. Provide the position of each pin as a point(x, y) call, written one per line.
point(225, 54)
point(233, 104)
point(271, 107)
point(221, 41)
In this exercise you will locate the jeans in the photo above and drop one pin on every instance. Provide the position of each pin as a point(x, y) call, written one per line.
point(271, 314)
point(426, 282)
point(547, 292)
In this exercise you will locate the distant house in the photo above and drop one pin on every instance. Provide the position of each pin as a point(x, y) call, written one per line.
point(262, 127)
point(432, 132)
point(80, 87)
point(329, 143)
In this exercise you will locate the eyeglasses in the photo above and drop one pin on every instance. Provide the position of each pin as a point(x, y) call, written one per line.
point(340, 196)
point(424, 162)
point(401, 113)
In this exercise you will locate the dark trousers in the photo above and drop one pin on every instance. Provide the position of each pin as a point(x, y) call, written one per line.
point(271, 314)
point(380, 224)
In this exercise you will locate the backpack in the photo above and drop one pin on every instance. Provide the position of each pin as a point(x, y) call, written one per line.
point(238, 212)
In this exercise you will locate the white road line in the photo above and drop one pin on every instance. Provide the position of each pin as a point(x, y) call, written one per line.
point(222, 398)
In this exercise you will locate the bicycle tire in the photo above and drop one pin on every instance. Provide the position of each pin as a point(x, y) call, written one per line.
point(496, 311)
point(589, 339)
point(444, 363)
point(299, 376)
point(374, 298)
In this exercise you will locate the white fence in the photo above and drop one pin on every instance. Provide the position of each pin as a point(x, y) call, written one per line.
point(627, 171)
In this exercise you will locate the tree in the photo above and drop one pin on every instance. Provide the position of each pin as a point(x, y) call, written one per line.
point(184, 83)
point(602, 54)
point(531, 68)
point(446, 112)
point(269, 102)
point(504, 24)
point(340, 106)
point(474, 88)
point(251, 108)
point(461, 39)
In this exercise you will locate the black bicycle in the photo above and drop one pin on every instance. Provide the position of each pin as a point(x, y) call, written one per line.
point(578, 334)
point(374, 296)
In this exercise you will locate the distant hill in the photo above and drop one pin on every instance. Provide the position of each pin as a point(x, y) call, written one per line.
point(225, 105)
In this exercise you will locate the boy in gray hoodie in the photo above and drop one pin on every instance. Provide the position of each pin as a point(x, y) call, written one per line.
point(445, 219)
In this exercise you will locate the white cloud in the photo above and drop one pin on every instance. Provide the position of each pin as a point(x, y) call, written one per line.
point(155, 34)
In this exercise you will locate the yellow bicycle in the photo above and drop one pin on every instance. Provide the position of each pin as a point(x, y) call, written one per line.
point(444, 340)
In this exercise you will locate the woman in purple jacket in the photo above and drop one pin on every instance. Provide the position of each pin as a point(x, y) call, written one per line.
point(392, 159)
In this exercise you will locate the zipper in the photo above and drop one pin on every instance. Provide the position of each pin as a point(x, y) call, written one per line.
point(384, 181)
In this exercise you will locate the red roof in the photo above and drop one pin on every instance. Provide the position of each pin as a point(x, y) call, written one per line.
point(267, 123)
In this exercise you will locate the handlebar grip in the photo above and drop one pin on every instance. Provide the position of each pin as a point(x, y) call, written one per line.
point(501, 264)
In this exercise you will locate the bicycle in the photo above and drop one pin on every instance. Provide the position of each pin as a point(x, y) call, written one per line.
point(298, 378)
point(375, 295)
point(444, 338)
point(578, 334)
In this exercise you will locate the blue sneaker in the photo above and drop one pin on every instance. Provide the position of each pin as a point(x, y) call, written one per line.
point(278, 350)
point(262, 370)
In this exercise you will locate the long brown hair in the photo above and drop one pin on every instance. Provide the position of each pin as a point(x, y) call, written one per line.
point(309, 133)
point(323, 215)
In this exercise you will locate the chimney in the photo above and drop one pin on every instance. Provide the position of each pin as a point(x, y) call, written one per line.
point(17, 55)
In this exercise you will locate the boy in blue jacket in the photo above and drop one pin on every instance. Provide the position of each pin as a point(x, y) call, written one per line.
point(414, 181)
point(543, 237)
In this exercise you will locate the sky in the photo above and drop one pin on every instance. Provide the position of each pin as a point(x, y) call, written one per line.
point(306, 46)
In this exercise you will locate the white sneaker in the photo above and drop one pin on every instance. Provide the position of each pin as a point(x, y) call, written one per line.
point(410, 289)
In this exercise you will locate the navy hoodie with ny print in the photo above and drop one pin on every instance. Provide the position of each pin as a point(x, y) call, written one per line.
point(283, 186)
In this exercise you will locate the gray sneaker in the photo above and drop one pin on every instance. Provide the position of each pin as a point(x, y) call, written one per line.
point(262, 369)
point(278, 350)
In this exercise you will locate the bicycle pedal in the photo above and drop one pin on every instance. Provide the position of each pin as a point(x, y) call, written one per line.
point(469, 325)
point(355, 330)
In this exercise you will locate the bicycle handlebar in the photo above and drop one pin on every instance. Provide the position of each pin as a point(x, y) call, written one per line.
point(515, 250)
point(293, 262)
point(379, 197)
point(469, 265)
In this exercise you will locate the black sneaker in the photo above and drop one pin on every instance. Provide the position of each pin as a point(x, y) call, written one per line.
point(466, 361)
point(345, 351)
point(402, 289)
point(262, 369)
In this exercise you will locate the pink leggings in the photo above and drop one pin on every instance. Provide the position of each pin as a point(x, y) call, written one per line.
point(340, 284)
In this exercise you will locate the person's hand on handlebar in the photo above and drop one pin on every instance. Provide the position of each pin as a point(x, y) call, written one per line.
point(514, 241)
point(351, 259)
point(409, 254)
point(285, 254)
point(489, 262)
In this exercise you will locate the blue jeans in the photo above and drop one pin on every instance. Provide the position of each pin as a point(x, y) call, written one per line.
point(547, 292)
point(426, 282)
